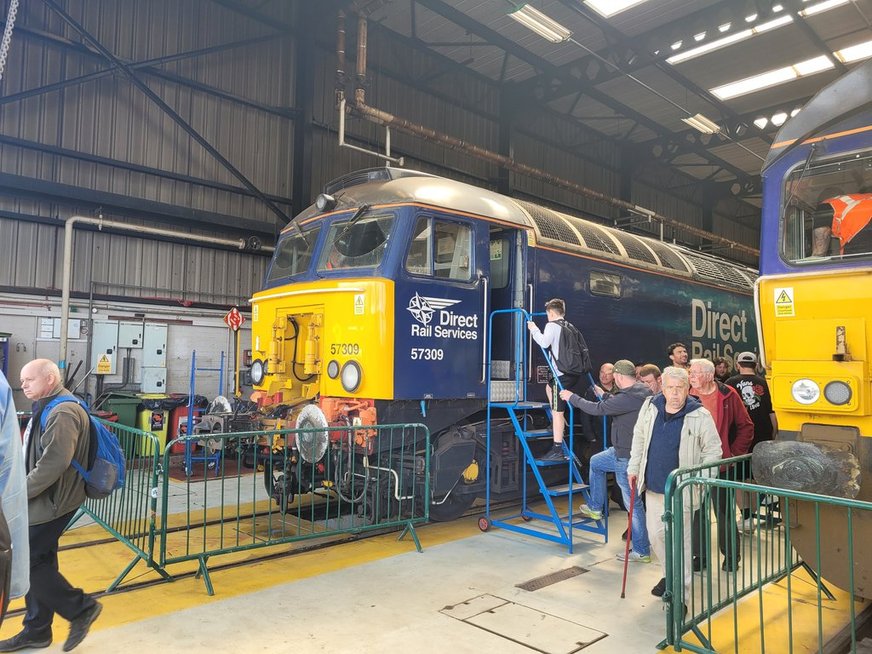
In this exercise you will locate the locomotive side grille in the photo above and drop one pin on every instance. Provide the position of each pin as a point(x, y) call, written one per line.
point(550, 223)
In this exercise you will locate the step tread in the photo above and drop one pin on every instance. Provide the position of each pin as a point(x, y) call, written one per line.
point(564, 489)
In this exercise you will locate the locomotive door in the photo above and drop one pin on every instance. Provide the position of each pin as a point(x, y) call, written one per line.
point(506, 291)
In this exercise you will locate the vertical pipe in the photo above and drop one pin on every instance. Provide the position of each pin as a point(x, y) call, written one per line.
point(65, 290)
point(359, 92)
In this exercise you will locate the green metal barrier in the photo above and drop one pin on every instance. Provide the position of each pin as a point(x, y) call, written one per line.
point(129, 513)
point(765, 555)
point(284, 486)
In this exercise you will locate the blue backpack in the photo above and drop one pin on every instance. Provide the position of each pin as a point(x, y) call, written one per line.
point(106, 465)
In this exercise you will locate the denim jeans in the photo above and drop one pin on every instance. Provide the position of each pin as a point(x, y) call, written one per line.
point(604, 462)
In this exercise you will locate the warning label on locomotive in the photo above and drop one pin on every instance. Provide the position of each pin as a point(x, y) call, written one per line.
point(784, 302)
point(436, 319)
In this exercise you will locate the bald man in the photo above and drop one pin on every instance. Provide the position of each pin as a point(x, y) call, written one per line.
point(54, 492)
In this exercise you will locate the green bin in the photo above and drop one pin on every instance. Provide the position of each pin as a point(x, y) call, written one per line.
point(125, 406)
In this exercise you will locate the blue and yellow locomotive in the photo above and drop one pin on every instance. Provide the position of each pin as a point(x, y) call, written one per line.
point(376, 303)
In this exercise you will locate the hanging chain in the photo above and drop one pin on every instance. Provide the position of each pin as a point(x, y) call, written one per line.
point(7, 35)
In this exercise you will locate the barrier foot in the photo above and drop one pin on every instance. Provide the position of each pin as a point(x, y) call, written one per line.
point(203, 571)
point(129, 567)
point(410, 529)
point(817, 579)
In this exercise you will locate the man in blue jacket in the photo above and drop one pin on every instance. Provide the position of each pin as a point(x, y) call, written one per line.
point(623, 407)
point(13, 491)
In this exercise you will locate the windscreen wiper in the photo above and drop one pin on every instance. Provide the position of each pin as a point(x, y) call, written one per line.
point(362, 209)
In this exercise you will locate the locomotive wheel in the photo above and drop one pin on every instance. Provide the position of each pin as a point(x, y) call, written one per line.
point(484, 524)
point(452, 508)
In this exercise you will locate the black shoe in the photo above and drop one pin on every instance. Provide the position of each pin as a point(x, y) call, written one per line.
point(698, 564)
point(730, 566)
point(660, 588)
point(26, 639)
point(554, 454)
point(80, 625)
point(624, 535)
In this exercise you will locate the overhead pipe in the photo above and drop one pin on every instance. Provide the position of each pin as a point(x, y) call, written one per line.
point(100, 223)
point(389, 120)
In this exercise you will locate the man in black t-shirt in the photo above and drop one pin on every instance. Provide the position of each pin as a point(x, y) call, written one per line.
point(757, 398)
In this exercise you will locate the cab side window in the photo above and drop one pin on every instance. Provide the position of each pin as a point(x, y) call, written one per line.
point(440, 248)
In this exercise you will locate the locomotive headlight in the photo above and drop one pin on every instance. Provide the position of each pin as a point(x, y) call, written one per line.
point(350, 376)
point(325, 202)
point(837, 392)
point(333, 369)
point(258, 372)
point(805, 391)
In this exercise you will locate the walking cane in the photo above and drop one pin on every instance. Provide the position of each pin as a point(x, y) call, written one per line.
point(629, 536)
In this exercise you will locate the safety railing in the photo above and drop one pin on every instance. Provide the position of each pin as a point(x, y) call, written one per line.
point(284, 486)
point(731, 582)
point(129, 513)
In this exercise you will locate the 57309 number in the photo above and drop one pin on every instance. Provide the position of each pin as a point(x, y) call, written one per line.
point(352, 349)
point(427, 354)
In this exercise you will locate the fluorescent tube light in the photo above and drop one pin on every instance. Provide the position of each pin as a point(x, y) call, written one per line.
point(729, 40)
point(702, 124)
point(772, 78)
point(822, 6)
point(546, 27)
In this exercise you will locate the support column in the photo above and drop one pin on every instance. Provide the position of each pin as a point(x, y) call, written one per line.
point(306, 17)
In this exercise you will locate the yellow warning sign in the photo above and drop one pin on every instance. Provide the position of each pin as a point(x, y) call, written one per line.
point(784, 307)
point(104, 365)
point(359, 304)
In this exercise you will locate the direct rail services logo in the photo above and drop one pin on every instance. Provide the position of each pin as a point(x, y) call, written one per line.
point(448, 323)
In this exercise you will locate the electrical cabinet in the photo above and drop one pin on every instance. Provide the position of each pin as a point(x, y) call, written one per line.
point(154, 380)
point(130, 335)
point(154, 348)
point(104, 346)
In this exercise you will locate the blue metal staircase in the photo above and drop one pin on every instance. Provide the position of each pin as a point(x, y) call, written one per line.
point(558, 523)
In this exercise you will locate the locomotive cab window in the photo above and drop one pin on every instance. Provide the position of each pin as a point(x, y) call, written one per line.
point(293, 254)
point(440, 248)
point(356, 243)
point(828, 212)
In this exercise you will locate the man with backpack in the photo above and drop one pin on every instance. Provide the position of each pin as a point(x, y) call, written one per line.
point(55, 490)
point(568, 354)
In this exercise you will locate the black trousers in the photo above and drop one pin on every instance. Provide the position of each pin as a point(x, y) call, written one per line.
point(49, 592)
point(724, 504)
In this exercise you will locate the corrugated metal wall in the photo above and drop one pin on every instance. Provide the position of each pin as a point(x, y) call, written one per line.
point(104, 136)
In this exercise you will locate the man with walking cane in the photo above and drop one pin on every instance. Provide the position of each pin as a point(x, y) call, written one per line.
point(624, 407)
point(673, 431)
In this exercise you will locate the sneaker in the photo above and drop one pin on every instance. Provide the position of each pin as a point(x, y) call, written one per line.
point(660, 588)
point(747, 525)
point(554, 454)
point(80, 625)
point(584, 509)
point(26, 639)
point(634, 557)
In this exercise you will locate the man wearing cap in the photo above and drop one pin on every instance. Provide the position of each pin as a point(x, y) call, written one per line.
point(624, 407)
point(757, 398)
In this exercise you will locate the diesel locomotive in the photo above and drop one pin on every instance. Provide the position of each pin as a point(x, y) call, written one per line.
point(375, 310)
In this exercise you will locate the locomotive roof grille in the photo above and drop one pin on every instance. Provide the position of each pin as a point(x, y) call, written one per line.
point(708, 268)
point(635, 248)
point(550, 223)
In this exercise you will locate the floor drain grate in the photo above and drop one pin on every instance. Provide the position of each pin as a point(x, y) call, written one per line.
point(553, 578)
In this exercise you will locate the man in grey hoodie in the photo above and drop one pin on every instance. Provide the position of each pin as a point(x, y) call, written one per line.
point(623, 406)
point(55, 490)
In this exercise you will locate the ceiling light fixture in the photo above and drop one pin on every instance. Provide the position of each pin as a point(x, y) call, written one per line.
point(702, 124)
point(545, 26)
point(699, 36)
point(735, 37)
point(607, 8)
point(724, 27)
point(750, 18)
